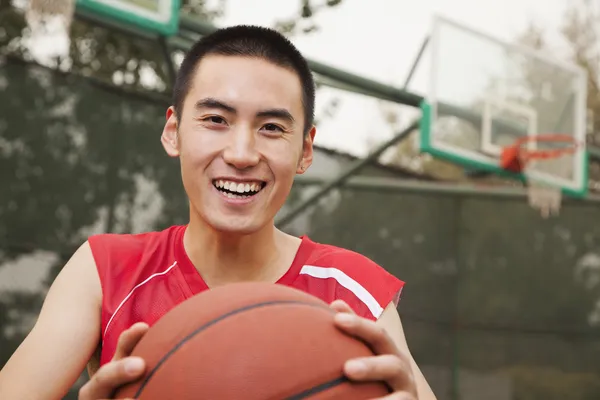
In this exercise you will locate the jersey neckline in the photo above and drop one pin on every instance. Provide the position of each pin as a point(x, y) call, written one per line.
point(197, 284)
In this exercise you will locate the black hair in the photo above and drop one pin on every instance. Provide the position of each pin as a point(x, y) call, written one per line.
point(247, 41)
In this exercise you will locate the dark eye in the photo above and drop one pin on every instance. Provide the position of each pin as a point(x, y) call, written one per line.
point(272, 128)
point(215, 119)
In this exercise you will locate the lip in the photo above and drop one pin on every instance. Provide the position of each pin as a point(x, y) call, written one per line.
point(240, 201)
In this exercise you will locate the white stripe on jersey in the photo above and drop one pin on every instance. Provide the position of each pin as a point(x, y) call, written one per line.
point(133, 290)
point(344, 280)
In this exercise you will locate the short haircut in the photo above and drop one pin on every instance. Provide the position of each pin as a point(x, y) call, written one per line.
point(247, 41)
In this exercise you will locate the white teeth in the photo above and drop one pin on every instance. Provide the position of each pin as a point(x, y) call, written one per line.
point(235, 196)
point(238, 187)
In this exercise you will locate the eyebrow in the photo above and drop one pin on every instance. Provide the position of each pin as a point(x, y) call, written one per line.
point(209, 102)
point(280, 113)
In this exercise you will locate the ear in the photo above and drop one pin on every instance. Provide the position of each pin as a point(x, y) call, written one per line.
point(169, 137)
point(307, 151)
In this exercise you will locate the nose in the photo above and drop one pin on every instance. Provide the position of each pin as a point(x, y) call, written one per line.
point(241, 151)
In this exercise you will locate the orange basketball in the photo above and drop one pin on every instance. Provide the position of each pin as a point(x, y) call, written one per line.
point(251, 341)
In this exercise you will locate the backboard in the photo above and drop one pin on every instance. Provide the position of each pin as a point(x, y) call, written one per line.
point(484, 94)
point(156, 16)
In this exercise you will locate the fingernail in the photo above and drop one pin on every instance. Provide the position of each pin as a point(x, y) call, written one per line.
point(356, 368)
point(345, 319)
point(134, 366)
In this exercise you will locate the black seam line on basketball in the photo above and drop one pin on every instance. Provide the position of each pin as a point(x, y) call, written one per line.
point(319, 388)
point(214, 321)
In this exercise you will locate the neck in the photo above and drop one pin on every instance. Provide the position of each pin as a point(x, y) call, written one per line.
point(222, 257)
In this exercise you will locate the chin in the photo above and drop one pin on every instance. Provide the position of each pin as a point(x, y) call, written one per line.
point(235, 226)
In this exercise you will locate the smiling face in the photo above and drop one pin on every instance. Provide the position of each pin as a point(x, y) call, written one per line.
point(240, 141)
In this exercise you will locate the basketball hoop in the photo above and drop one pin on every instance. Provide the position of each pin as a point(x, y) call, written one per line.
point(520, 158)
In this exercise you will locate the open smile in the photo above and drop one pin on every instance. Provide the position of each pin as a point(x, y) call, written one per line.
point(238, 189)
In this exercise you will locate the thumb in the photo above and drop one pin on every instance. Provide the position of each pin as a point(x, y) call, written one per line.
point(341, 306)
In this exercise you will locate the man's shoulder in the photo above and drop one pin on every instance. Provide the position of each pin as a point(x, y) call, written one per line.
point(131, 242)
point(136, 253)
point(367, 286)
point(327, 255)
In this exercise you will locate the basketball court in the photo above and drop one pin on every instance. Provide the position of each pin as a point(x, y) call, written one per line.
point(494, 109)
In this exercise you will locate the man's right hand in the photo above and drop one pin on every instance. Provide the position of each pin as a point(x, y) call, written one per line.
point(120, 370)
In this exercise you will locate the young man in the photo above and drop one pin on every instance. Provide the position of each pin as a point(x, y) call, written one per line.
point(241, 125)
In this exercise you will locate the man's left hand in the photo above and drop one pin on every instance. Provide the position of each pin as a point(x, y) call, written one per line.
point(389, 365)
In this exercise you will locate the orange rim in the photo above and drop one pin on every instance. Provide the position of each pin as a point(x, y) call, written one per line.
point(515, 157)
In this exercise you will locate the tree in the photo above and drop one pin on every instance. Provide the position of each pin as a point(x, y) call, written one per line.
point(76, 149)
point(581, 30)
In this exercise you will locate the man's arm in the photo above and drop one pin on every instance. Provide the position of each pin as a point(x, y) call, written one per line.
point(390, 321)
point(67, 331)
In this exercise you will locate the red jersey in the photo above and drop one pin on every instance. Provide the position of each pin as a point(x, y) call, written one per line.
point(145, 275)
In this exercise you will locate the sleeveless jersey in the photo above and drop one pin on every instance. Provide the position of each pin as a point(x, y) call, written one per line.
point(145, 275)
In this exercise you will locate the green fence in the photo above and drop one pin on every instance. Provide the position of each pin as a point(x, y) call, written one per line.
point(499, 303)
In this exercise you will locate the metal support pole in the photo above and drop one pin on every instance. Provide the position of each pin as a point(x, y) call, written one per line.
point(332, 83)
point(418, 186)
point(416, 62)
point(342, 177)
point(380, 90)
point(115, 25)
point(456, 325)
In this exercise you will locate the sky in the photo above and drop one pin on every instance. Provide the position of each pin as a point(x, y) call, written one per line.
point(379, 39)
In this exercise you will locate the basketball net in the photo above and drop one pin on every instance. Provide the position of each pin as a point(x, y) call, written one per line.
point(517, 158)
point(547, 199)
point(40, 12)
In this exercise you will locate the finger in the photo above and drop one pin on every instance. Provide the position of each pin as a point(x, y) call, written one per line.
point(369, 331)
point(110, 377)
point(129, 339)
point(341, 306)
point(389, 368)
